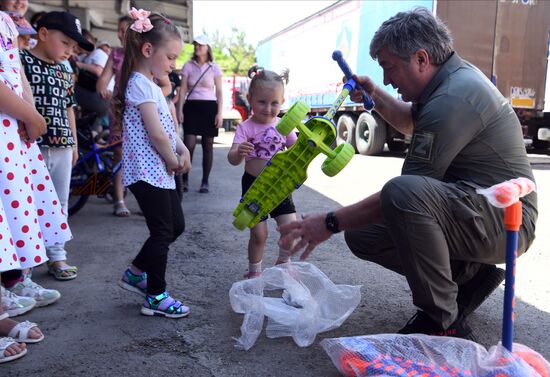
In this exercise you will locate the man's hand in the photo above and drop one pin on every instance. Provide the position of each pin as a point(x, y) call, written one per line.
point(310, 231)
point(366, 83)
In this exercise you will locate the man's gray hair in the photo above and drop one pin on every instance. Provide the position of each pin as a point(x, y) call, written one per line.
point(407, 32)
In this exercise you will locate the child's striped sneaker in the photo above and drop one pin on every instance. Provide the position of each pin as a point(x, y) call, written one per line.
point(15, 305)
point(165, 306)
point(42, 296)
point(134, 283)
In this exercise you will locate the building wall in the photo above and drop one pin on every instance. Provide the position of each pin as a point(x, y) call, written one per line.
point(101, 16)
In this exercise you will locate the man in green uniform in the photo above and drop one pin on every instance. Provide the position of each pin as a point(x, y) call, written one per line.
point(429, 224)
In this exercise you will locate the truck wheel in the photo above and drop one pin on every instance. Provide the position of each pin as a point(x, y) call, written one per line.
point(370, 134)
point(244, 218)
point(226, 124)
point(540, 144)
point(333, 165)
point(345, 129)
point(292, 118)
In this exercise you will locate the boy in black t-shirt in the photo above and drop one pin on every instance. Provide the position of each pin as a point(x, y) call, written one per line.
point(50, 80)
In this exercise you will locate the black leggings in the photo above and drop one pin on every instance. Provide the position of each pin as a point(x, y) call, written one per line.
point(207, 154)
point(164, 217)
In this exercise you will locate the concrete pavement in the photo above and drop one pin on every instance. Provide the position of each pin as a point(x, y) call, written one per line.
point(96, 329)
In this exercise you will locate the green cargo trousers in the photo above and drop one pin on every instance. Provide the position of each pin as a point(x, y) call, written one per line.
point(437, 235)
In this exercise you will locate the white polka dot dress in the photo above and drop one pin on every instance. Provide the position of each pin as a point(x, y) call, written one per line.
point(31, 216)
point(141, 161)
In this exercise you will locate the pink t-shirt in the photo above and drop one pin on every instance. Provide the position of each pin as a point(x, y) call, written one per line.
point(265, 137)
point(206, 88)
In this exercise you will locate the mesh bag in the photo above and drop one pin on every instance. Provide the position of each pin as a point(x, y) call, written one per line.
point(430, 356)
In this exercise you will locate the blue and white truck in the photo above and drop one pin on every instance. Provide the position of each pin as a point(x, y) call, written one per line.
point(508, 40)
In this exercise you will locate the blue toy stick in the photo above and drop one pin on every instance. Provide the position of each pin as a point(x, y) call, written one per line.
point(512, 222)
point(506, 195)
point(368, 102)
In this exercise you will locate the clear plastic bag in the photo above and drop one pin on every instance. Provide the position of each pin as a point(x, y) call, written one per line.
point(423, 355)
point(507, 193)
point(308, 303)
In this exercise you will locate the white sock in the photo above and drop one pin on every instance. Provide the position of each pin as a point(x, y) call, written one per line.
point(284, 256)
point(255, 267)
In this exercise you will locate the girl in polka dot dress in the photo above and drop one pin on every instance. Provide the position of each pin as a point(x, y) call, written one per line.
point(151, 155)
point(31, 216)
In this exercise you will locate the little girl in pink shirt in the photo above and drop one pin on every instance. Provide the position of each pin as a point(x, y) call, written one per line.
point(256, 141)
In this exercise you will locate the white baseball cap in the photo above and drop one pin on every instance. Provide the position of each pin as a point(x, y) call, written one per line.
point(202, 39)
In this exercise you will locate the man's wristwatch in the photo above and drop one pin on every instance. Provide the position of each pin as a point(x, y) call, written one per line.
point(331, 222)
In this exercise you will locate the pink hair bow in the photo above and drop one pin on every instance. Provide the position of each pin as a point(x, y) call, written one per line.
point(142, 24)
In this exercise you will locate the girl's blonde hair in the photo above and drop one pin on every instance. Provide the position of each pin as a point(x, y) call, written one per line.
point(163, 30)
point(260, 76)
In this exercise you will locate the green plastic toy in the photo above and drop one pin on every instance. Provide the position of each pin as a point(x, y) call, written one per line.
point(287, 171)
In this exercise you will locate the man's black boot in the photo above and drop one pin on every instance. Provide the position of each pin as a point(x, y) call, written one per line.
point(421, 323)
point(474, 292)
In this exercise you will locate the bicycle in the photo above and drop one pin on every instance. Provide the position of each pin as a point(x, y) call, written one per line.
point(94, 171)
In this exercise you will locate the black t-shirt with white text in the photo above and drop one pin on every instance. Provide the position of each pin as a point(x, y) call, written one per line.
point(50, 85)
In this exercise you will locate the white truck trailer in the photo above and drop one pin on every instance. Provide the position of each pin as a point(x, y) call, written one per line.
point(506, 39)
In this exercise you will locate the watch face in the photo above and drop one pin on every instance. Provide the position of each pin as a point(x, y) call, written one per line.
point(332, 222)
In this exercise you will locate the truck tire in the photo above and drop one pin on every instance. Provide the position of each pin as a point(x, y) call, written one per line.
point(345, 129)
point(370, 134)
point(227, 123)
point(540, 144)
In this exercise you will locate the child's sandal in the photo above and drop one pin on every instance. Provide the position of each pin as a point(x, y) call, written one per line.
point(20, 333)
point(165, 306)
point(62, 273)
point(134, 283)
point(120, 209)
point(4, 344)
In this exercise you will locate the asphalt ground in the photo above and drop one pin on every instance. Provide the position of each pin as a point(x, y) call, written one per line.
point(96, 328)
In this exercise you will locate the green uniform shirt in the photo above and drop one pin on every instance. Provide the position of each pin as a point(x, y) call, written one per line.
point(465, 130)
